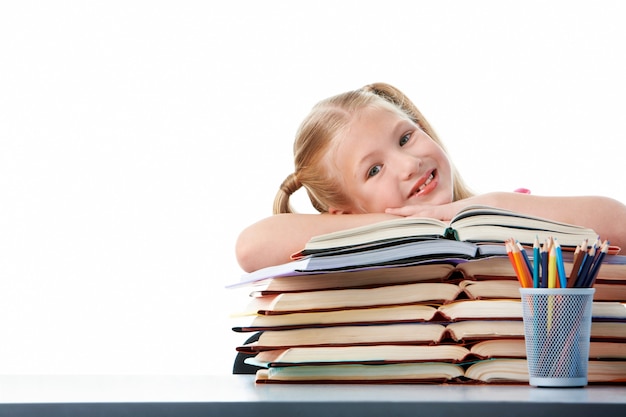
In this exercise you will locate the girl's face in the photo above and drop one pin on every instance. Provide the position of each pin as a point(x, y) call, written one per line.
point(386, 161)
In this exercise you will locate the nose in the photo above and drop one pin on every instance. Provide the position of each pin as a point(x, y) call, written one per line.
point(407, 165)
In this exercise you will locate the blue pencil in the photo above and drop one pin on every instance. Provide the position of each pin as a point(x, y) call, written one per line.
point(544, 263)
point(536, 262)
point(584, 268)
point(595, 268)
point(559, 265)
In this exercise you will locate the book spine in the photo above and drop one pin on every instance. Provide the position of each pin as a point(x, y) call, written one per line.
point(451, 233)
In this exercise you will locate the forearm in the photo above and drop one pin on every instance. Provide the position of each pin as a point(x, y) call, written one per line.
point(273, 240)
point(604, 215)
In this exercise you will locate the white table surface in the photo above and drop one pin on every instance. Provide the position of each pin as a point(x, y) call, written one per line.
point(235, 395)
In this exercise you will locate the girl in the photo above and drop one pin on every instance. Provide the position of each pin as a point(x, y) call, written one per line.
point(369, 155)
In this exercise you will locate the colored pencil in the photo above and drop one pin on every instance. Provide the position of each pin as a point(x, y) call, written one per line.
point(521, 268)
point(595, 268)
point(552, 272)
point(579, 254)
point(584, 268)
point(509, 252)
point(560, 265)
point(528, 266)
point(545, 250)
point(536, 262)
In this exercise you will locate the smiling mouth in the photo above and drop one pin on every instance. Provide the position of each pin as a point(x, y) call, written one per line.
point(425, 184)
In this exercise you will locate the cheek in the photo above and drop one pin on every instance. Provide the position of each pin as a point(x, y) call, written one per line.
point(445, 174)
point(444, 160)
point(382, 199)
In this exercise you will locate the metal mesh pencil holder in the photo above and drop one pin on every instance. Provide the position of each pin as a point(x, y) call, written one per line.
point(557, 328)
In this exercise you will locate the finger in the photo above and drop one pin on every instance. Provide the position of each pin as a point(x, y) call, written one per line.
point(400, 211)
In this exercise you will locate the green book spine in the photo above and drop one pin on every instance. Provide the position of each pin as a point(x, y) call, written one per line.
point(450, 233)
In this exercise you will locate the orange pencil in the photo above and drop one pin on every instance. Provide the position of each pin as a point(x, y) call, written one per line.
point(509, 252)
point(514, 263)
point(524, 273)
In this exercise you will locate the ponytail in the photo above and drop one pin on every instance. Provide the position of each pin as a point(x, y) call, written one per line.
point(289, 186)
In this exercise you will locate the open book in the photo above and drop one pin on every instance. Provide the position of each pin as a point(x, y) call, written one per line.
point(473, 224)
point(382, 354)
point(498, 371)
point(376, 315)
point(385, 334)
point(374, 354)
point(296, 276)
point(516, 348)
point(490, 277)
point(387, 259)
point(507, 288)
point(328, 300)
point(497, 338)
point(609, 318)
point(405, 253)
point(516, 370)
point(358, 373)
point(433, 293)
point(398, 334)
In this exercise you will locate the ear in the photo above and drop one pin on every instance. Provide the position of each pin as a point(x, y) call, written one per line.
point(335, 210)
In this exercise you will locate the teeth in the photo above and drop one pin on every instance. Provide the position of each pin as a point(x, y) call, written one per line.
point(426, 183)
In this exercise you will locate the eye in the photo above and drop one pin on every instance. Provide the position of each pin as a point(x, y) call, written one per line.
point(373, 171)
point(404, 139)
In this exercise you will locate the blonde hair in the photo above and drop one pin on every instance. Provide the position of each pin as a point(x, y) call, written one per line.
point(325, 122)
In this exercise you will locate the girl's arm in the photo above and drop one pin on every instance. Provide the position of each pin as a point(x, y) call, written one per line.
point(604, 215)
point(273, 240)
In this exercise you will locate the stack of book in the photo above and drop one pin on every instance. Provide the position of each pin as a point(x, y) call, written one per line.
point(389, 303)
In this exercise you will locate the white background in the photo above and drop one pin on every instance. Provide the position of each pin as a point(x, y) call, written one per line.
point(137, 138)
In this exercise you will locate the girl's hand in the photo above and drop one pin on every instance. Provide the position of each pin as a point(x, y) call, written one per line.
point(606, 216)
point(443, 212)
